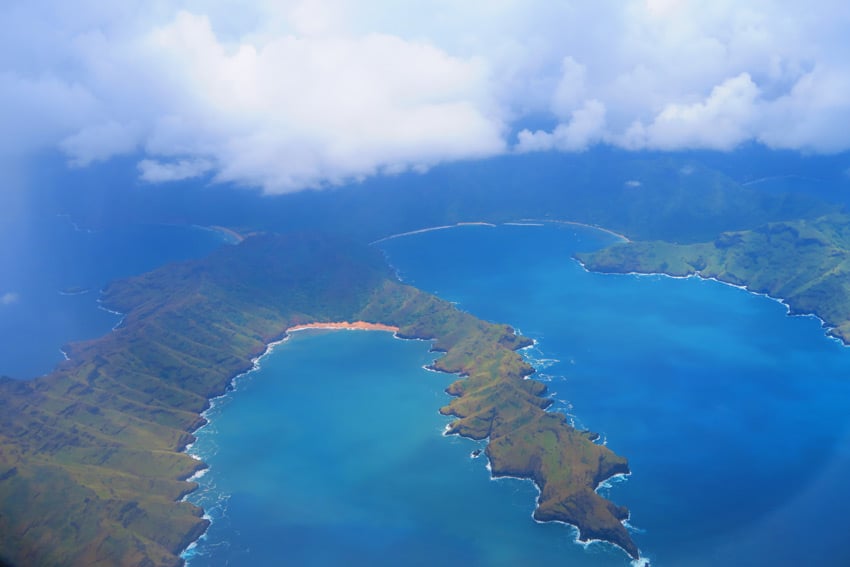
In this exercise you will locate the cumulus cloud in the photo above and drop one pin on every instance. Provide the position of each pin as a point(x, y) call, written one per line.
point(302, 112)
point(720, 122)
point(570, 90)
point(586, 126)
point(305, 93)
point(807, 117)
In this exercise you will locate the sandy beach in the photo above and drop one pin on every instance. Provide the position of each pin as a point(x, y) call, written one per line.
point(354, 325)
point(228, 231)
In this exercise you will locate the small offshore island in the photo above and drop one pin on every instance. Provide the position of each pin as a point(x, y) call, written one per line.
point(93, 468)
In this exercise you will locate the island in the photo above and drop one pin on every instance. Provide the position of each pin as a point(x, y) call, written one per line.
point(93, 468)
point(804, 263)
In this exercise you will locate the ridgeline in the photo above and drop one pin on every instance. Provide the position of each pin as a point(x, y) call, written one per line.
point(92, 468)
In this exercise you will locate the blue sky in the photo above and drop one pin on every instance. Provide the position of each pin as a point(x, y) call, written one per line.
point(286, 95)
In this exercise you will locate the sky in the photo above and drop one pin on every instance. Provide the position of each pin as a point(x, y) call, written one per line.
point(288, 95)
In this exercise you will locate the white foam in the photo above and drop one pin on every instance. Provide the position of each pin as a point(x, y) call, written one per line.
point(412, 232)
point(433, 228)
point(197, 474)
point(121, 315)
point(622, 237)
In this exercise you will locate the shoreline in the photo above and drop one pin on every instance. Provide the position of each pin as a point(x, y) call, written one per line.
point(619, 235)
point(432, 229)
point(256, 365)
point(640, 560)
point(200, 473)
point(789, 312)
point(520, 222)
point(447, 431)
point(345, 325)
point(367, 326)
point(227, 232)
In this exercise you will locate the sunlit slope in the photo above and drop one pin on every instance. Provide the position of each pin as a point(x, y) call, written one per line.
point(91, 462)
point(495, 400)
point(805, 262)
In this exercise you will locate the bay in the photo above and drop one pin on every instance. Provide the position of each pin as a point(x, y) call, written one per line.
point(55, 271)
point(732, 414)
point(332, 453)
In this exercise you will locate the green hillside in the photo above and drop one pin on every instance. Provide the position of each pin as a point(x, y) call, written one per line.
point(91, 464)
point(806, 263)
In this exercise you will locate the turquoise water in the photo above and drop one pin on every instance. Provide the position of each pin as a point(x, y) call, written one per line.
point(333, 454)
point(732, 414)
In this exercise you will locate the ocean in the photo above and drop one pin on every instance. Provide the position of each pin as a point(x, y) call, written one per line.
point(732, 415)
point(55, 270)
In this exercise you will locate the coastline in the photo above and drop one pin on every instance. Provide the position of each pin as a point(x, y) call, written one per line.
point(433, 228)
point(619, 235)
point(233, 236)
point(345, 325)
point(636, 561)
point(228, 232)
point(182, 364)
point(256, 365)
point(633, 553)
point(639, 561)
point(185, 555)
point(360, 325)
point(520, 222)
point(825, 325)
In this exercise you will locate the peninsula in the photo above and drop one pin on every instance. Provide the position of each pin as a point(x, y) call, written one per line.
point(92, 461)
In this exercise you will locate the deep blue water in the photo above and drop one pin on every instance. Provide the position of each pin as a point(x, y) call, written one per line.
point(48, 255)
point(732, 414)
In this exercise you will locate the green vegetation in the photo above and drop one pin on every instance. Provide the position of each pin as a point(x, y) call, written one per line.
point(91, 464)
point(806, 263)
point(496, 400)
point(670, 197)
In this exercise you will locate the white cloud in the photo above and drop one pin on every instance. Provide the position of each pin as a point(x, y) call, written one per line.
point(570, 90)
point(304, 93)
point(301, 112)
point(99, 142)
point(808, 115)
point(154, 171)
point(38, 111)
point(9, 298)
point(586, 126)
point(721, 121)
